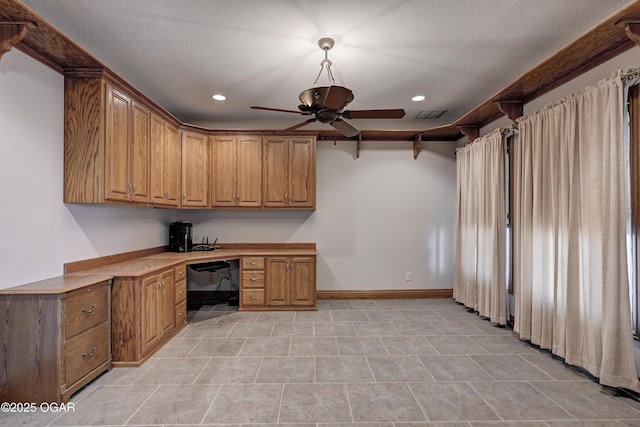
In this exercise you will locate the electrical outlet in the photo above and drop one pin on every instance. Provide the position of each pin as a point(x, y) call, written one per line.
point(407, 276)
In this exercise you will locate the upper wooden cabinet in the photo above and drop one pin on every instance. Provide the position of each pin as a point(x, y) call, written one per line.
point(107, 136)
point(236, 171)
point(195, 170)
point(289, 173)
point(164, 180)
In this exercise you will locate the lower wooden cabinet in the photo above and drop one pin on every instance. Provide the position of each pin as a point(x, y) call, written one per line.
point(143, 316)
point(180, 297)
point(53, 343)
point(278, 283)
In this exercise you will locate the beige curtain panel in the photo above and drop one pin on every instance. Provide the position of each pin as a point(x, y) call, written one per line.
point(570, 254)
point(480, 280)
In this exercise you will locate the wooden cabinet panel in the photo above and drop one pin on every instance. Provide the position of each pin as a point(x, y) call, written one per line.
point(139, 154)
point(87, 351)
point(290, 281)
point(236, 171)
point(277, 281)
point(289, 172)
point(149, 333)
point(276, 170)
point(164, 175)
point(86, 308)
point(195, 170)
point(253, 279)
point(172, 166)
point(166, 306)
point(143, 315)
point(249, 171)
point(302, 173)
point(253, 298)
point(117, 146)
point(224, 160)
point(302, 281)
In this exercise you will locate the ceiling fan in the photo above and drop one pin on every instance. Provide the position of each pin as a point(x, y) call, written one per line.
point(326, 103)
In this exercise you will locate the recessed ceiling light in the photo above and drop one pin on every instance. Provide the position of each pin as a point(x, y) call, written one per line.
point(219, 97)
point(418, 98)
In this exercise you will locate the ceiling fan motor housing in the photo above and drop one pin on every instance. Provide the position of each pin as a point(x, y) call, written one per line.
point(333, 98)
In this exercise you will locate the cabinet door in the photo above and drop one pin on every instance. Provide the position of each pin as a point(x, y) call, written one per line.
point(195, 170)
point(249, 173)
point(139, 154)
point(223, 171)
point(156, 162)
point(172, 166)
point(302, 172)
point(117, 146)
point(149, 333)
point(166, 306)
point(275, 176)
point(277, 281)
point(302, 280)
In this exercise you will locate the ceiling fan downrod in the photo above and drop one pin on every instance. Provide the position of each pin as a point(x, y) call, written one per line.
point(325, 44)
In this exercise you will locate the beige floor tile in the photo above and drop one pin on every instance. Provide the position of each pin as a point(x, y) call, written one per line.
point(454, 368)
point(312, 316)
point(286, 370)
point(350, 346)
point(349, 316)
point(229, 370)
point(256, 347)
point(456, 345)
point(208, 330)
point(515, 401)
point(314, 346)
point(108, 405)
point(245, 403)
point(334, 329)
point(416, 328)
point(584, 401)
point(375, 329)
point(173, 371)
point(451, 402)
point(304, 403)
point(343, 369)
point(503, 344)
point(509, 367)
point(217, 347)
point(398, 369)
point(382, 315)
point(181, 404)
point(291, 329)
point(244, 330)
point(411, 344)
point(276, 316)
point(383, 402)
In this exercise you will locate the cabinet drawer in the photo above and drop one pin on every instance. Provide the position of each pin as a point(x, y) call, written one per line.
point(181, 292)
point(180, 273)
point(85, 308)
point(252, 297)
point(86, 351)
point(181, 313)
point(253, 263)
point(252, 279)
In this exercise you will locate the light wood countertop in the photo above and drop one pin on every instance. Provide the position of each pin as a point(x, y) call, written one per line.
point(149, 264)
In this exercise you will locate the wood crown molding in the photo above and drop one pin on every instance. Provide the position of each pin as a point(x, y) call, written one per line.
point(605, 41)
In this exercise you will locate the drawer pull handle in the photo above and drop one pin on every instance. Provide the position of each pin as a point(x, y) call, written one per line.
point(181, 292)
point(253, 279)
point(181, 313)
point(253, 297)
point(253, 263)
point(93, 353)
point(89, 311)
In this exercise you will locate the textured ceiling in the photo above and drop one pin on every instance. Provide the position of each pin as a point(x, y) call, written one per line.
point(457, 53)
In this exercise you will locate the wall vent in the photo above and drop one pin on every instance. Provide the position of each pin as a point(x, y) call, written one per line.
point(433, 114)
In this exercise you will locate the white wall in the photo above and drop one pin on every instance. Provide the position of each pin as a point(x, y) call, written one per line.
point(38, 233)
point(377, 217)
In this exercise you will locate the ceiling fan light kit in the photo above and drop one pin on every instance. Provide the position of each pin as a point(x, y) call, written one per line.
point(327, 103)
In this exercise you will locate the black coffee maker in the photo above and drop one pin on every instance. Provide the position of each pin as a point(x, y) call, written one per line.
point(180, 236)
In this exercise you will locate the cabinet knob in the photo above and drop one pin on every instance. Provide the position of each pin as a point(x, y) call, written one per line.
point(89, 310)
point(253, 279)
point(253, 297)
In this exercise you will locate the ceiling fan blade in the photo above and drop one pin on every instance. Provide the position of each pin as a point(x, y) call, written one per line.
point(373, 114)
point(345, 128)
point(277, 109)
point(299, 125)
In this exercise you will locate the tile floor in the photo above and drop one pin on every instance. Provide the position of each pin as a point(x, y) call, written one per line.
point(366, 362)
